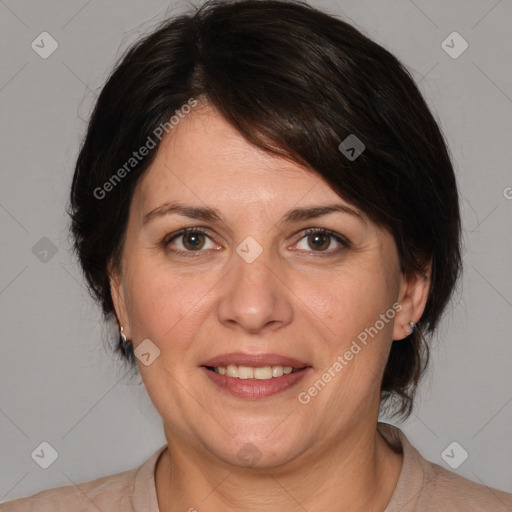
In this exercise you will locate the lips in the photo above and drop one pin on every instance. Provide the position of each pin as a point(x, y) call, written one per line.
point(254, 360)
point(257, 385)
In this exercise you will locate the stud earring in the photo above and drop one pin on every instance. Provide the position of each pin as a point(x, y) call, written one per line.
point(123, 335)
point(412, 325)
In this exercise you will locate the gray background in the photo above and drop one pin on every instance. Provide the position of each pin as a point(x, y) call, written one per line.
point(58, 382)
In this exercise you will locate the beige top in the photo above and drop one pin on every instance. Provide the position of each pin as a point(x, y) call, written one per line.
point(421, 487)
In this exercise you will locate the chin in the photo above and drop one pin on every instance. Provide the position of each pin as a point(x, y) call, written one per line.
point(258, 451)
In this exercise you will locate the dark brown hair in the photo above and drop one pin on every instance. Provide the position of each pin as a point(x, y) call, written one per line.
point(295, 82)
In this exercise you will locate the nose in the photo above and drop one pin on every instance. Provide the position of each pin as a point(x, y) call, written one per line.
point(254, 296)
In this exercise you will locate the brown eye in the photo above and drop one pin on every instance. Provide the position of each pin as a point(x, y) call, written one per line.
point(190, 240)
point(193, 240)
point(319, 241)
point(322, 240)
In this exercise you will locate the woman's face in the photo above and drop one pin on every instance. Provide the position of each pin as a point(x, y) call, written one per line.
point(256, 283)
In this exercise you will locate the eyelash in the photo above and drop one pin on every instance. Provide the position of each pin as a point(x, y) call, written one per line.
point(343, 241)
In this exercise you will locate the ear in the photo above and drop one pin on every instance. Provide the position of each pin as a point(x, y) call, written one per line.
point(118, 298)
point(413, 297)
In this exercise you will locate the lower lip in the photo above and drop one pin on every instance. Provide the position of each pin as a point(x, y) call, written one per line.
point(255, 388)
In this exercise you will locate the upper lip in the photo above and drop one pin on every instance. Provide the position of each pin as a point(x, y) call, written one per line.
point(254, 360)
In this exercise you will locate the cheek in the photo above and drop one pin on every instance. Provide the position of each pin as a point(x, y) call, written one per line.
point(347, 302)
point(353, 315)
point(165, 306)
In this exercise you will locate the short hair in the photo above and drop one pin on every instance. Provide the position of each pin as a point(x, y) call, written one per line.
point(296, 82)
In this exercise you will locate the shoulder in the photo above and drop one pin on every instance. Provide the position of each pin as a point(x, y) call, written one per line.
point(106, 493)
point(130, 491)
point(461, 494)
point(428, 487)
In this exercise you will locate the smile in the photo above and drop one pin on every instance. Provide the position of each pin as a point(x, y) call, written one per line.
point(248, 372)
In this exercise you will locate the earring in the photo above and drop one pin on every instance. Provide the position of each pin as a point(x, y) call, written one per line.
point(123, 335)
point(412, 325)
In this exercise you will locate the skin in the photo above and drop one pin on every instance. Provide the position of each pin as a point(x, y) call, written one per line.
point(293, 300)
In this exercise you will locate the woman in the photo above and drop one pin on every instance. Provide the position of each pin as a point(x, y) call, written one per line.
point(265, 206)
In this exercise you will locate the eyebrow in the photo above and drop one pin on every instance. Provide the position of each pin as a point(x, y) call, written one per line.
point(211, 214)
point(311, 212)
point(193, 212)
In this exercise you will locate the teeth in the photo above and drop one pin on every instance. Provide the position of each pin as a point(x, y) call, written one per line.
point(277, 371)
point(248, 372)
point(263, 373)
point(232, 370)
point(245, 372)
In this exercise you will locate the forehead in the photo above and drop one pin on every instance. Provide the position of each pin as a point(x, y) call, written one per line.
point(205, 160)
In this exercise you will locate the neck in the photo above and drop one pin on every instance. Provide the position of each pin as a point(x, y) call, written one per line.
point(357, 473)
